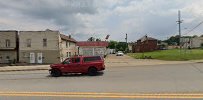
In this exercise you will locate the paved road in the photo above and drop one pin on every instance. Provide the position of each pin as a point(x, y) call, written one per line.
point(123, 82)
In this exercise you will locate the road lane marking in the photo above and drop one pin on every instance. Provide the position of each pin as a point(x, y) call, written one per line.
point(104, 95)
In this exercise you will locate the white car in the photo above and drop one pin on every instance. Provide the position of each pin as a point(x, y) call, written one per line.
point(119, 53)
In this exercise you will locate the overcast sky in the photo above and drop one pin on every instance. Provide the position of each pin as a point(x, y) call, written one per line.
point(85, 18)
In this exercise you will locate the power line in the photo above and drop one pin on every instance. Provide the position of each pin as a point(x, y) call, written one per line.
point(194, 28)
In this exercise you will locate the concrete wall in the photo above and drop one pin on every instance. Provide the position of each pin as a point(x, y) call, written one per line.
point(11, 35)
point(50, 53)
point(8, 53)
point(49, 56)
point(37, 40)
point(5, 54)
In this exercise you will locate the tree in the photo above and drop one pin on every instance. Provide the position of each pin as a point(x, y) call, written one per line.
point(112, 44)
point(91, 39)
point(173, 40)
point(194, 36)
point(121, 46)
point(202, 45)
point(98, 39)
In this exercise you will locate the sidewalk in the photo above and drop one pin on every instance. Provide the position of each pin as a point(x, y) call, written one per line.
point(24, 68)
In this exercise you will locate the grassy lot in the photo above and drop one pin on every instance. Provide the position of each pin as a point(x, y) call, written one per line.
point(171, 55)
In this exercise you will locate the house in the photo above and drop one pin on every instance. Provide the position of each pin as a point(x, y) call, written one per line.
point(8, 46)
point(196, 42)
point(186, 42)
point(145, 44)
point(130, 47)
point(93, 48)
point(189, 42)
point(45, 46)
point(68, 46)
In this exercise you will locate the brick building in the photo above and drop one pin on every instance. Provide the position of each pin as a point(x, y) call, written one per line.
point(145, 44)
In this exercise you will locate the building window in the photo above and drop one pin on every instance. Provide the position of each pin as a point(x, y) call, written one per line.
point(69, 54)
point(66, 44)
point(7, 57)
point(44, 42)
point(28, 42)
point(8, 43)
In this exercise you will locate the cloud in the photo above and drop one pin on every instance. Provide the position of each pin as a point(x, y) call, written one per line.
point(62, 14)
point(85, 18)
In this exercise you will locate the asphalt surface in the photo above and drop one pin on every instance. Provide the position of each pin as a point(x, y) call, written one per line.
point(115, 83)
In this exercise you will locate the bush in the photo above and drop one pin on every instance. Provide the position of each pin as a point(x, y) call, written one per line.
point(202, 45)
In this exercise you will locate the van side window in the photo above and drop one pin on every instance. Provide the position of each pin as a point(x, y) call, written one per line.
point(89, 59)
point(67, 61)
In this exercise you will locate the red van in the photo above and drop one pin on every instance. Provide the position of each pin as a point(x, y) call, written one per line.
point(79, 64)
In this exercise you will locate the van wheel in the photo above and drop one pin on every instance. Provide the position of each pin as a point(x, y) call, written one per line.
point(92, 71)
point(55, 73)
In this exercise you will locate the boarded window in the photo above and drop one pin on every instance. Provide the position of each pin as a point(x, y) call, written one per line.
point(8, 43)
point(28, 42)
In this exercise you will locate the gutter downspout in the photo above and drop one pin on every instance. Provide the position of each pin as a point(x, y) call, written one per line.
point(17, 46)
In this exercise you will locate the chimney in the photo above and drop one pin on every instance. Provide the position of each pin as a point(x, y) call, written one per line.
point(69, 36)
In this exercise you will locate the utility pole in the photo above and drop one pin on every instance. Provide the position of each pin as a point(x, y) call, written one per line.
point(126, 39)
point(179, 27)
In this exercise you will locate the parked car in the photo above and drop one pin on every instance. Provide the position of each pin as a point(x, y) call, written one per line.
point(119, 53)
point(80, 64)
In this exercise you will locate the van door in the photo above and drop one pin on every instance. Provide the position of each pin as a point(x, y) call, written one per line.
point(76, 65)
point(67, 66)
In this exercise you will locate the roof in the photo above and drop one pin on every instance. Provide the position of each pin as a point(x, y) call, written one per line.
point(93, 43)
point(47, 30)
point(146, 38)
point(68, 38)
